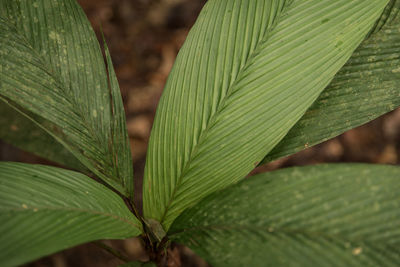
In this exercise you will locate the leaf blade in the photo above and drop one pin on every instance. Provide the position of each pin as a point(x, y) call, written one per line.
point(317, 215)
point(122, 156)
point(227, 78)
point(52, 66)
point(46, 209)
point(14, 129)
point(364, 89)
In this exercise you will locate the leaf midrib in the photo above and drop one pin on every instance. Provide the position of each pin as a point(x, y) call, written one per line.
point(213, 118)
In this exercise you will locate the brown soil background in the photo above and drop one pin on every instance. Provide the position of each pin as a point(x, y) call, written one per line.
point(144, 37)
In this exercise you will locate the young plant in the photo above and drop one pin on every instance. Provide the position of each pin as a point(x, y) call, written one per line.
point(255, 80)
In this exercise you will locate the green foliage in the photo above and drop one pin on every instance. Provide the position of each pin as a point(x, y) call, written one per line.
point(365, 88)
point(19, 131)
point(264, 63)
point(45, 209)
point(52, 66)
point(255, 80)
point(327, 215)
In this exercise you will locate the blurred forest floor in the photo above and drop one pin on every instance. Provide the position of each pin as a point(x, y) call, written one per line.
point(144, 37)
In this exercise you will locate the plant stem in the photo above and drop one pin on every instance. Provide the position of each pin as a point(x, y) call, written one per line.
point(112, 251)
point(132, 207)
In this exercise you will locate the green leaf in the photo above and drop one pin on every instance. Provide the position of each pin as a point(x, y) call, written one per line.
point(364, 89)
point(52, 66)
point(328, 215)
point(388, 16)
point(119, 134)
point(21, 132)
point(246, 74)
point(45, 209)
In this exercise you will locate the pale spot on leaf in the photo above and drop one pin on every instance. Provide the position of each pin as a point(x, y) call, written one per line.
point(54, 36)
point(396, 70)
point(357, 251)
